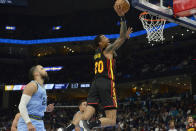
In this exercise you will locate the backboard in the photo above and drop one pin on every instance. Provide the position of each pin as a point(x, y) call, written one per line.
point(164, 9)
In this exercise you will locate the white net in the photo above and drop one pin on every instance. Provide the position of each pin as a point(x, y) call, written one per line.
point(154, 26)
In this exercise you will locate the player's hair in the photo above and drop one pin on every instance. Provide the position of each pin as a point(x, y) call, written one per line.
point(97, 40)
point(81, 101)
point(31, 72)
point(171, 121)
point(171, 124)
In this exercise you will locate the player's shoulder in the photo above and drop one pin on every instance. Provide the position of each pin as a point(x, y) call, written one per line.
point(31, 85)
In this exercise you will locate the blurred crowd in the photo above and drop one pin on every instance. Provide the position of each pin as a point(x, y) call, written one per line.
point(132, 115)
point(6, 117)
point(138, 64)
point(156, 62)
point(156, 116)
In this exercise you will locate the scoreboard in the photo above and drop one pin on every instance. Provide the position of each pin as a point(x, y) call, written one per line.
point(51, 86)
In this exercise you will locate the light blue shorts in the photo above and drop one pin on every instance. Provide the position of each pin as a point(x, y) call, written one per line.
point(38, 124)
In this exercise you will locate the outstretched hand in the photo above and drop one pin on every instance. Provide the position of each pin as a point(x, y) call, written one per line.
point(129, 31)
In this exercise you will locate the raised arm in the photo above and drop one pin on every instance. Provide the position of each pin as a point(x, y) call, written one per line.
point(123, 28)
point(124, 33)
point(118, 42)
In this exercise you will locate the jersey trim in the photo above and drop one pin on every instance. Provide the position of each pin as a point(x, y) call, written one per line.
point(113, 94)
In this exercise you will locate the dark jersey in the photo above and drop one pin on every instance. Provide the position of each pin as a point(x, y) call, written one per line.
point(103, 67)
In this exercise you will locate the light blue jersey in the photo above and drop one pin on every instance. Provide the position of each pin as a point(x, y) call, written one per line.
point(38, 103)
point(36, 108)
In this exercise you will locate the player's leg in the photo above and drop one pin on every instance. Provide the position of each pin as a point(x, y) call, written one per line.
point(88, 113)
point(107, 94)
point(110, 119)
point(109, 101)
point(92, 101)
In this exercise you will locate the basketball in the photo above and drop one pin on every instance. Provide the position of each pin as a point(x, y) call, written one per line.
point(124, 4)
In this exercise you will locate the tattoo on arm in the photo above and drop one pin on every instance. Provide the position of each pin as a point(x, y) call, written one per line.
point(118, 42)
point(123, 30)
point(114, 46)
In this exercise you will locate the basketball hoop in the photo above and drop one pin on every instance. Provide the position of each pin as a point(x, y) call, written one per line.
point(153, 25)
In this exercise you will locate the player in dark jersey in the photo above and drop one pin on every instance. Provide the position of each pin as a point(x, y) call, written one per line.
point(103, 87)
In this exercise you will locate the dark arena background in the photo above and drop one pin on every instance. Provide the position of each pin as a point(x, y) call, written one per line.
point(155, 81)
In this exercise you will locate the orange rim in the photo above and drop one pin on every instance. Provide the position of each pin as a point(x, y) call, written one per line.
point(145, 13)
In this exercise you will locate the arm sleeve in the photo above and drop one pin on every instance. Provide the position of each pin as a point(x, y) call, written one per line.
point(23, 107)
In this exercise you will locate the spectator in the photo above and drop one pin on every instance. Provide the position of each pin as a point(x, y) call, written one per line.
point(172, 126)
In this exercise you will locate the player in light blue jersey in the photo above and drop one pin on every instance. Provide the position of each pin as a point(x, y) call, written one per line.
point(82, 107)
point(33, 102)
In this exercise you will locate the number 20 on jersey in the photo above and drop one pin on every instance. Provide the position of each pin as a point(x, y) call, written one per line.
point(99, 67)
